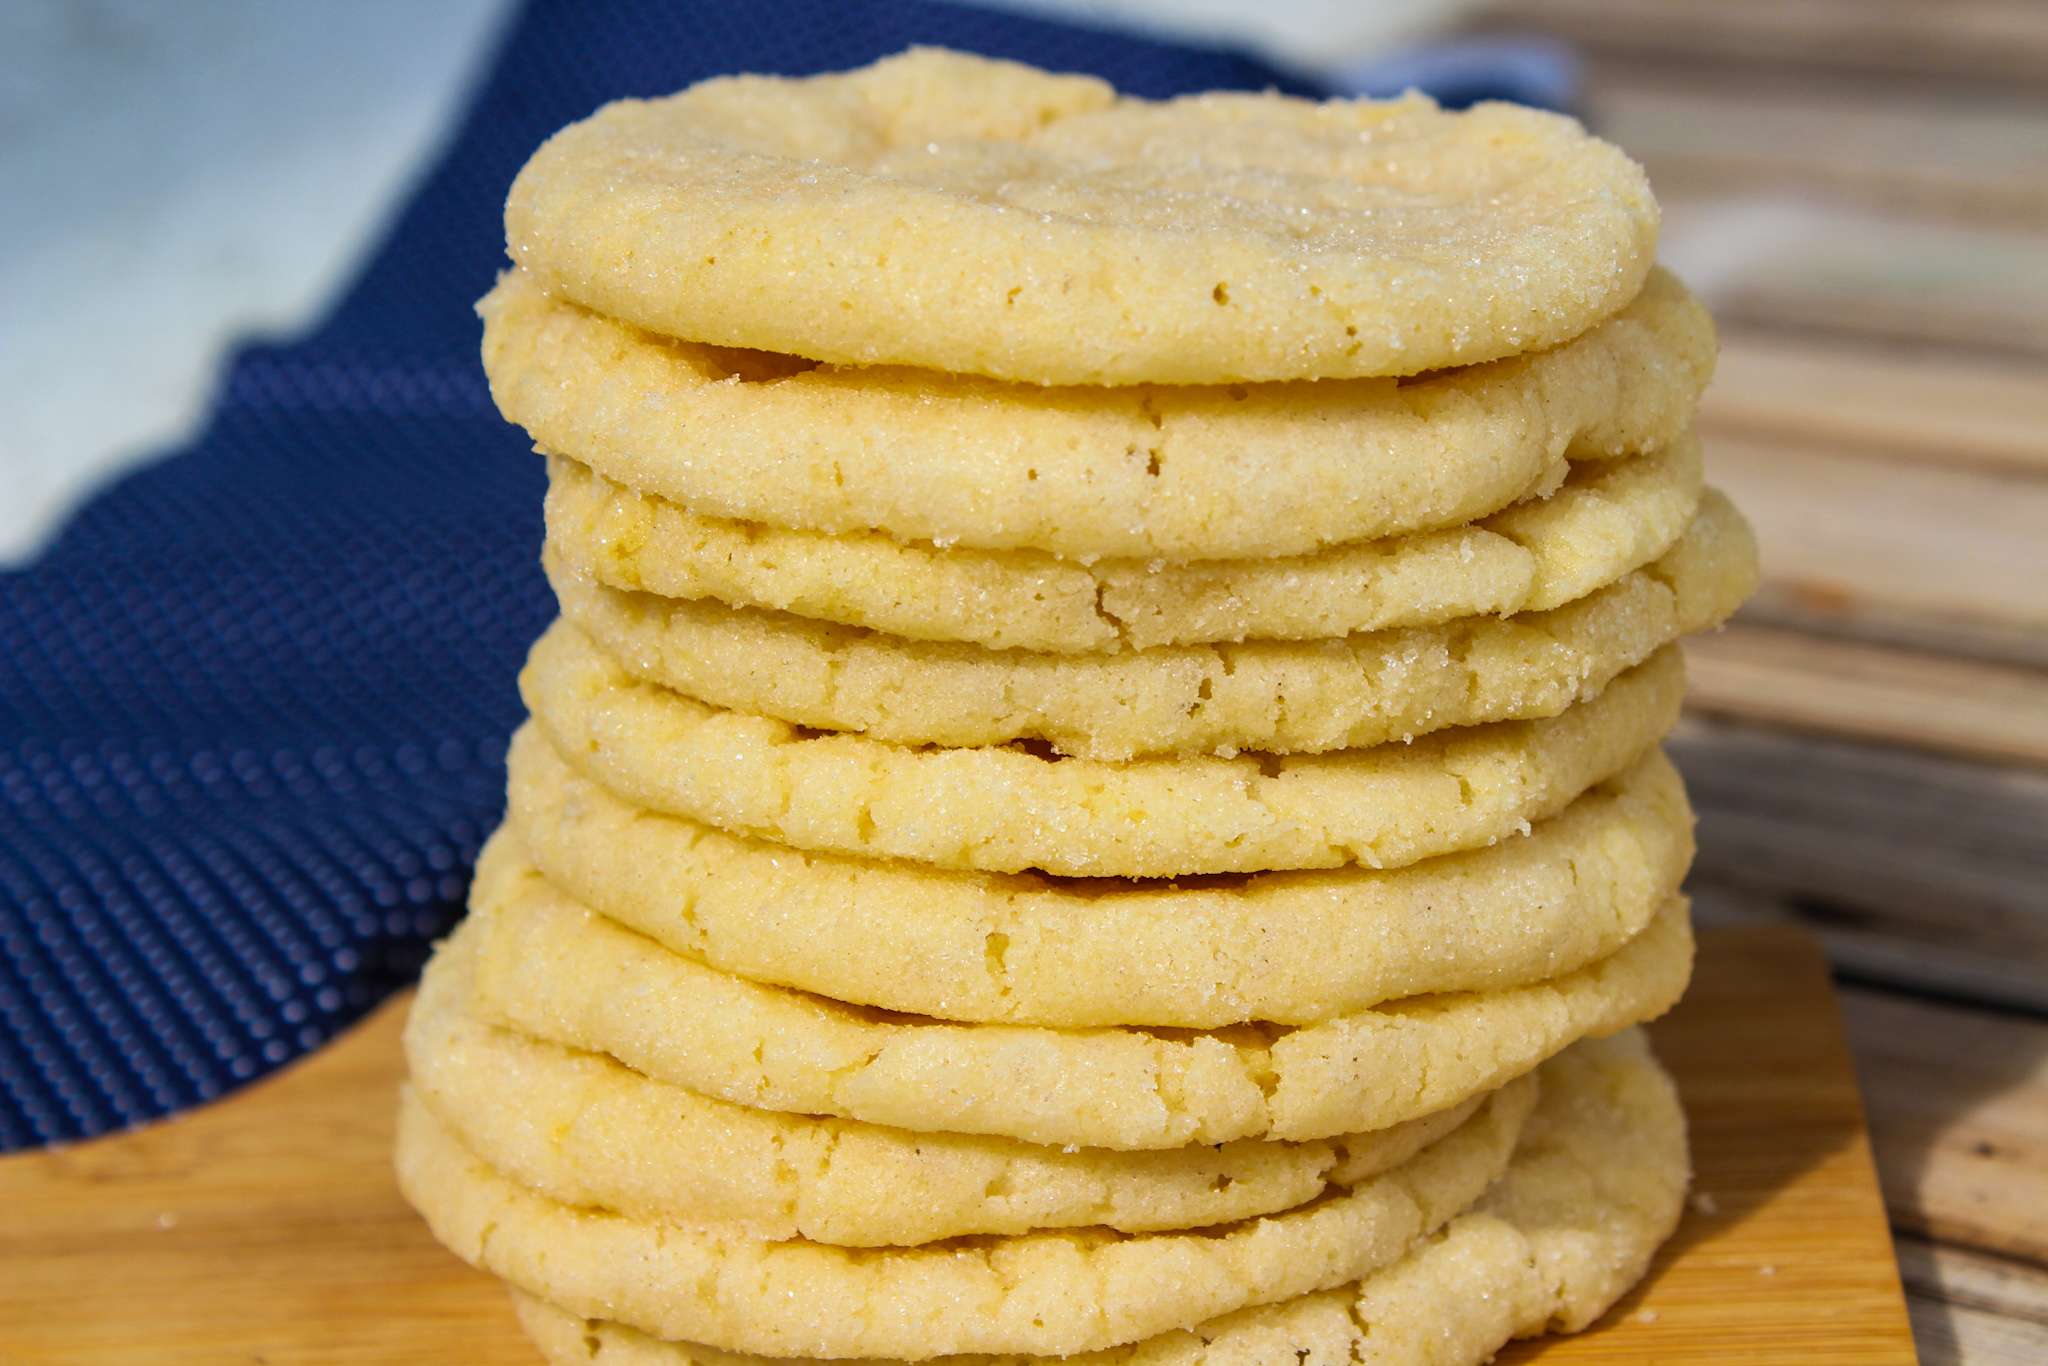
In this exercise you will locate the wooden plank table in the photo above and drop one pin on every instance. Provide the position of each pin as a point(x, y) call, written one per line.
point(267, 1227)
point(1859, 189)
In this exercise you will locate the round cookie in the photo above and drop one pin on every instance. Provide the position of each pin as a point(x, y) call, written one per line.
point(1279, 697)
point(584, 1130)
point(1596, 1184)
point(1049, 1292)
point(1609, 517)
point(1247, 471)
point(1293, 948)
point(952, 212)
point(553, 970)
point(1007, 809)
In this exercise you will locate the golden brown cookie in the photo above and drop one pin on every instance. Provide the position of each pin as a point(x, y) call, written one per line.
point(1179, 473)
point(1610, 517)
point(554, 970)
point(952, 212)
point(1595, 1186)
point(1197, 953)
point(1010, 809)
point(1270, 696)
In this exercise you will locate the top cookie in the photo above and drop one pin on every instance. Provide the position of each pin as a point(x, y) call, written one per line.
point(982, 217)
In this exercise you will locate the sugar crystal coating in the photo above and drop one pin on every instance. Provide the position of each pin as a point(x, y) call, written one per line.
point(1596, 1185)
point(1608, 518)
point(1268, 696)
point(1039, 1292)
point(975, 216)
point(1012, 809)
point(1179, 473)
point(585, 1130)
point(556, 970)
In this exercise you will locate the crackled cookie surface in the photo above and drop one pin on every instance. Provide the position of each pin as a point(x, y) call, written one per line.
point(1151, 471)
point(585, 1130)
point(1040, 1292)
point(1269, 696)
point(1011, 808)
point(1608, 518)
point(953, 212)
point(1194, 953)
point(555, 970)
point(1596, 1183)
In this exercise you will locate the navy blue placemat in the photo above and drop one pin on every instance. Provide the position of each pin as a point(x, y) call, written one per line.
point(254, 699)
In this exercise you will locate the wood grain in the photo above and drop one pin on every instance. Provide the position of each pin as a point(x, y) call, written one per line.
point(1848, 533)
point(1960, 1099)
point(1872, 951)
point(1967, 1306)
point(266, 1228)
point(1763, 1268)
point(1789, 261)
point(1971, 41)
point(1846, 687)
point(1964, 155)
point(1918, 869)
point(1885, 403)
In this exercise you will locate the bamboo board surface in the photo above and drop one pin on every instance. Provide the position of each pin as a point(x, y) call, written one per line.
point(267, 1229)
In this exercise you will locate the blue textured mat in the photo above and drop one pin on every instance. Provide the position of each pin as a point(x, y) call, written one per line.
point(254, 700)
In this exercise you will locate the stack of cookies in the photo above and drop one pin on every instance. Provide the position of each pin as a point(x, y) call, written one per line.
point(1096, 789)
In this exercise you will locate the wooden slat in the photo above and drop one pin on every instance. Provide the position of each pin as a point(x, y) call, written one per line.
point(1968, 1307)
point(1874, 951)
point(1948, 559)
point(1845, 535)
point(1971, 40)
point(1931, 407)
point(1959, 1335)
point(1794, 607)
point(1794, 261)
point(1880, 824)
point(1958, 1103)
point(1920, 868)
point(1844, 688)
point(1963, 157)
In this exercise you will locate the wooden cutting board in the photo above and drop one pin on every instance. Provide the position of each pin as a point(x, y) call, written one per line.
point(266, 1228)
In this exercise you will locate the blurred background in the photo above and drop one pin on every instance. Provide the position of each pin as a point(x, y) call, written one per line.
point(1859, 188)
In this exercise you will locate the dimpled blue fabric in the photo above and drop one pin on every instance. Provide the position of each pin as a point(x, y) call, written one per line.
point(254, 700)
